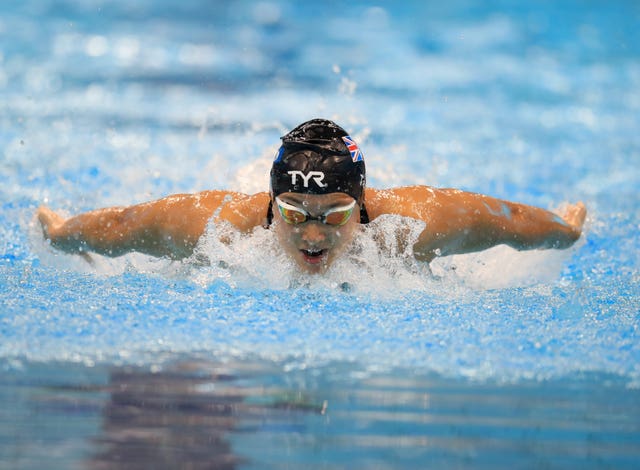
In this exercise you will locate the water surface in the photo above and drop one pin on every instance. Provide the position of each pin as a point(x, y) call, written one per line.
point(488, 360)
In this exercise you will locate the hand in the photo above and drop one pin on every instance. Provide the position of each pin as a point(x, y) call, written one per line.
point(50, 221)
point(574, 215)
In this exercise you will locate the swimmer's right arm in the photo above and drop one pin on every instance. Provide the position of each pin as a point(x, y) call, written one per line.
point(168, 227)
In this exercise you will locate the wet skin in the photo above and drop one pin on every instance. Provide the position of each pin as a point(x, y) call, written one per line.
point(313, 245)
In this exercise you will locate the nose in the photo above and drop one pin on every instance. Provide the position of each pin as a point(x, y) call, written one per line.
point(314, 232)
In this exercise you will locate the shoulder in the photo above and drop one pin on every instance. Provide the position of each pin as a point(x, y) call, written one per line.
point(241, 210)
point(213, 199)
point(244, 211)
point(408, 201)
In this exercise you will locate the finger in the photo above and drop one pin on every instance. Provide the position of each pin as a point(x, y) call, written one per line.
point(44, 217)
point(576, 214)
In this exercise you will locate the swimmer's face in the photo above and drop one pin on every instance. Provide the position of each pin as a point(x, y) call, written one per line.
point(314, 245)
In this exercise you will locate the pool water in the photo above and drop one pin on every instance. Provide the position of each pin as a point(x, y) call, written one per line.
point(489, 360)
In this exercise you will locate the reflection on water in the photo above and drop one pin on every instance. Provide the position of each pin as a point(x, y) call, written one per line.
point(162, 420)
point(198, 414)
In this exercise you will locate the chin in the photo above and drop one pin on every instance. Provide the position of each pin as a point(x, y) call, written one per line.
point(313, 268)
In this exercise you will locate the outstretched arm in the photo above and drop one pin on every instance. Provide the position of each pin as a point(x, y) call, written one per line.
point(167, 227)
point(463, 222)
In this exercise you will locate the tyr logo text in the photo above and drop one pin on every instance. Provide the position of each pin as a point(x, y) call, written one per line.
point(317, 176)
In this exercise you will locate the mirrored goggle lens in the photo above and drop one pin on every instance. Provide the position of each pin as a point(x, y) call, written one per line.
point(338, 217)
point(291, 215)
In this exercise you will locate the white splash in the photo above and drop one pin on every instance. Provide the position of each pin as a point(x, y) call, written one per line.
point(379, 263)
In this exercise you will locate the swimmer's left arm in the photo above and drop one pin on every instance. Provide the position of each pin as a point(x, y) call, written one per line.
point(462, 222)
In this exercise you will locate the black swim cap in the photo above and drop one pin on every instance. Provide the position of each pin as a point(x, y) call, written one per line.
point(318, 157)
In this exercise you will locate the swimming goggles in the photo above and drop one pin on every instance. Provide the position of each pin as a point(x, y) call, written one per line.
point(295, 215)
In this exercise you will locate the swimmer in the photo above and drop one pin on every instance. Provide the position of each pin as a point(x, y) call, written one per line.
point(317, 201)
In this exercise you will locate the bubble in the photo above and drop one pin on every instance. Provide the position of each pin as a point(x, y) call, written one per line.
point(96, 46)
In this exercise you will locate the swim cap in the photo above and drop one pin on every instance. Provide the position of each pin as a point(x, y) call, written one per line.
point(318, 157)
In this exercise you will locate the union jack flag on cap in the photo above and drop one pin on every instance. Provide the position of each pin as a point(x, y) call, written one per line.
point(354, 150)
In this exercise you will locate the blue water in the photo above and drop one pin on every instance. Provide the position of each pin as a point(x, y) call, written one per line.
point(487, 360)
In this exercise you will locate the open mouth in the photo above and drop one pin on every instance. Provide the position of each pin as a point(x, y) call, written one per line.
point(313, 256)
